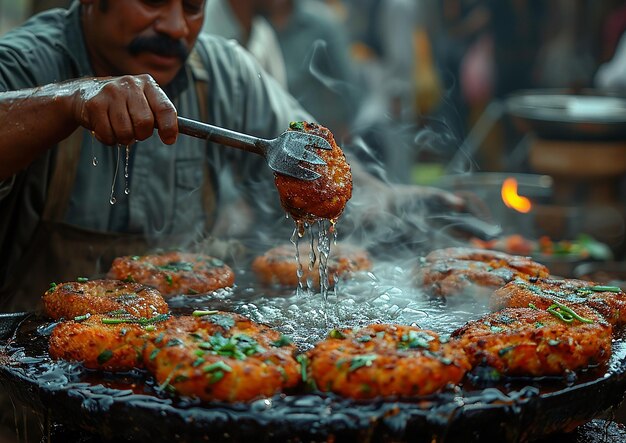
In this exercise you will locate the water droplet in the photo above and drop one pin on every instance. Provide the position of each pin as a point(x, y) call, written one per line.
point(112, 200)
point(94, 161)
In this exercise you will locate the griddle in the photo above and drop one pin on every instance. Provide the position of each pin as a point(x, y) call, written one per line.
point(127, 406)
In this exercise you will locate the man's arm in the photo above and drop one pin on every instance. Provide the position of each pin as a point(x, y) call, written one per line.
point(117, 110)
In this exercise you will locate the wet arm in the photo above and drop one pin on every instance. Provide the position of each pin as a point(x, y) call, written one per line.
point(117, 110)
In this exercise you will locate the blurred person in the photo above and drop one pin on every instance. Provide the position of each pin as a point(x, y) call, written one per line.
point(76, 83)
point(242, 20)
point(391, 49)
point(612, 74)
point(319, 70)
point(564, 58)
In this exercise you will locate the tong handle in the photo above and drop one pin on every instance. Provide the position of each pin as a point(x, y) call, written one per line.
point(221, 135)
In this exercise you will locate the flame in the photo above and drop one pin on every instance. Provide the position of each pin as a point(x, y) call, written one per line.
point(512, 199)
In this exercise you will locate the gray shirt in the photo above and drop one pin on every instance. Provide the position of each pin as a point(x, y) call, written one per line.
point(164, 181)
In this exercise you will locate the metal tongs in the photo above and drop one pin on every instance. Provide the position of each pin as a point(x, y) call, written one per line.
point(283, 154)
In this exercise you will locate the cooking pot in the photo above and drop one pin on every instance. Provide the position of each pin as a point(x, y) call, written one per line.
point(561, 115)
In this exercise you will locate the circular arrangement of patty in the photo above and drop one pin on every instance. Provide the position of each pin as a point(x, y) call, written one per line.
point(452, 271)
point(325, 197)
point(385, 360)
point(174, 272)
point(221, 356)
point(73, 299)
point(279, 266)
point(110, 343)
point(537, 342)
point(610, 301)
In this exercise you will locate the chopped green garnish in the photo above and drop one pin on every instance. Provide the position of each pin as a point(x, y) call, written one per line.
point(284, 340)
point(105, 356)
point(154, 353)
point(176, 267)
point(129, 279)
point(336, 333)
point(238, 346)
point(224, 321)
point(197, 362)
point(218, 365)
point(360, 361)
point(150, 328)
point(304, 363)
point(415, 339)
point(215, 377)
point(298, 126)
point(82, 279)
point(135, 258)
point(52, 287)
point(168, 279)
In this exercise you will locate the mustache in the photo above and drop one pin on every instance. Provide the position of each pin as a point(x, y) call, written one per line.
point(159, 44)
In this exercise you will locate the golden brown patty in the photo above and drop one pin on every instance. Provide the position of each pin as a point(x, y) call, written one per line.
point(535, 342)
point(73, 299)
point(102, 342)
point(385, 360)
point(610, 301)
point(222, 356)
point(279, 266)
point(452, 271)
point(174, 272)
point(524, 266)
point(325, 197)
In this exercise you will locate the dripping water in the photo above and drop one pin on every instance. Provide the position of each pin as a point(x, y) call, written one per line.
point(113, 200)
point(94, 160)
point(126, 188)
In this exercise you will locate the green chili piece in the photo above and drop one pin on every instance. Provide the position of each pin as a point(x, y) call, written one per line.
point(82, 317)
point(604, 288)
point(217, 365)
point(203, 313)
point(566, 314)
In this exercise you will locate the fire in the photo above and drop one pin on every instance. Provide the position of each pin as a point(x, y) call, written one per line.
point(512, 199)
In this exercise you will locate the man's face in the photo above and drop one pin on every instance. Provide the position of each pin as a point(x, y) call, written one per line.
point(141, 36)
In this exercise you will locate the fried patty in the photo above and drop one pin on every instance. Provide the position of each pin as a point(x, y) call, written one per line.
point(536, 342)
point(222, 356)
point(325, 197)
point(610, 301)
point(385, 360)
point(104, 342)
point(278, 266)
point(451, 271)
point(174, 272)
point(73, 299)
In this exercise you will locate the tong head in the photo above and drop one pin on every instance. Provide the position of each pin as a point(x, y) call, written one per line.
point(286, 153)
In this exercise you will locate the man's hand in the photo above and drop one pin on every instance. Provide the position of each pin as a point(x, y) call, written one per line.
point(120, 110)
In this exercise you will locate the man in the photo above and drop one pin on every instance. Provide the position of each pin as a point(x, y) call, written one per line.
point(74, 85)
point(57, 220)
